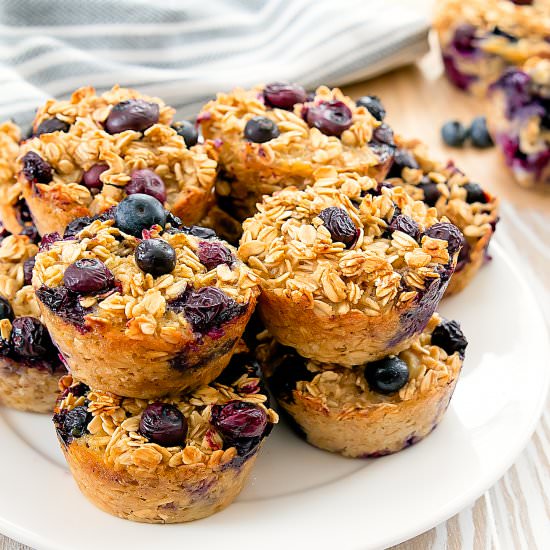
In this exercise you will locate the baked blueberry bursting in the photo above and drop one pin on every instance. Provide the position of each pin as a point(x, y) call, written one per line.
point(282, 95)
point(340, 225)
point(6, 311)
point(148, 183)
point(373, 105)
point(196, 231)
point(387, 376)
point(474, 193)
point(260, 130)
point(464, 40)
point(133, 114)
point(290, 369)
point(30, 339)
point(36, 169)
point(28, 267)
point(431, 191)
point(187, 131)
point(155, 256)
point(402, 159)
point(91, 178)
point(449, 336)
point(65, 303)
point(329, 117)
point(406, 225)
point(447, 232)
point(88, 276)
point(71, 424)
point(51, 125)
point(213, 254)
point(138, 212)
point(163, 424)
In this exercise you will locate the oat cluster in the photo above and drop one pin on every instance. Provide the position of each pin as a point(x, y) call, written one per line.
point(10, 190)
point(114, 428)
point(291, 250)
point(141, 300)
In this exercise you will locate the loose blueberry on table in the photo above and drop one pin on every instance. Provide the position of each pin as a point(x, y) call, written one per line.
point(454, 133)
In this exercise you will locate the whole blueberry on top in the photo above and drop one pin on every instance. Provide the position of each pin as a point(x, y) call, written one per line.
point(431, 192)
point(51, 125)
point(475, 193)
point(282, 95)
point(447, 232)
point(373, 105)
point(212, 254)
point(237, 420)
point(406, 225)
point(479, 134)
point(402, 159)
point(260, 129)
point(36, 169)
point(30, 339)
point(383, 134)
point(449, 336)
point(138, 212)
point(387, 375)
point(340, 225)
point(454, 134)
point(147, 182)
point(155, 256)
point(132, 114)
point(163, 424)
point(28, 267)
point(89, 276)
point(91, 178)
point(330, 117)
point(6, 311)
point(187, 131)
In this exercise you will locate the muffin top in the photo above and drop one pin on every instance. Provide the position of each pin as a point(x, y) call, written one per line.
point(172, 282)
point(513, 29)
point(431, 362)
point(93, 150)
point(211, 426)
point(284, 127)
point(341, 255)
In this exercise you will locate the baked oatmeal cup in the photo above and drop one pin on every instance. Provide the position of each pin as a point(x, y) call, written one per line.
point(90, 152)
point(520, 121)
point(481, 38)
point(169, 461)
point(374, 409)
point(465, 203)
point(276, 136)
point(348, 282)
point(143, 316)
point(30, 367)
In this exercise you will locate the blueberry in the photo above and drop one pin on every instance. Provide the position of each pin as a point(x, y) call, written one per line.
point(138, 212)
point(387, 375)
point(212, 254)
point(77, 225)
point(340, 225)
point(260, 129)
point(330, 117)
point(454, 134)
point(6, 311)
point(163, 424)
point(48, 240)
point(156, 257)
point(239, 420)
point(431, 192)
point(132, 114)
point(200, 232)
point(73, 423)
point(284, 96)
point(464, 38)
point(383, 134)
point(187, 131)
point(91, 178)
point(377, 191)
point(474, 193)
point(447, 232)
point(89, 276)
point(373, 105)
point(51, 125)
point(402, 159)
point(28, 267)
point(406, 225)
point(65, 303)
point(36, 169)
point(479, 134)
point(449, 336)
point(148, 183)
point(29, 338)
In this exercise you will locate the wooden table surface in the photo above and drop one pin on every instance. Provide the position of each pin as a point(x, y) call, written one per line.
point(515, 513)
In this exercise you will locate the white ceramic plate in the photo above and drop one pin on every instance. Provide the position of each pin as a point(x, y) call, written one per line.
point(301, 497)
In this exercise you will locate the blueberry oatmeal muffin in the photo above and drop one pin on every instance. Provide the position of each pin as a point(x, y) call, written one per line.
point(373, 409)
point(348, 282)
point(30, 368)
point(169, 461)
point(277, 135)
point(481, 38)
point(520, 121)
point(467, 205)
point(143, 316)
point(88, 153)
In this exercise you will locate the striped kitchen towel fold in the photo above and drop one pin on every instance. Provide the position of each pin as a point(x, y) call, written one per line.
point(186, 51)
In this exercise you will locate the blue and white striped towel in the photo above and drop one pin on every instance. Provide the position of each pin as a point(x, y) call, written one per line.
point(186, 51)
